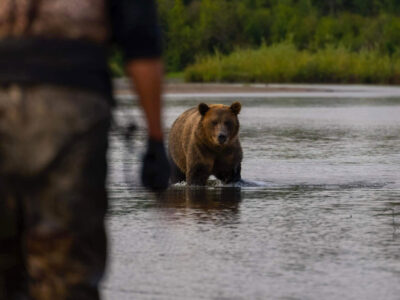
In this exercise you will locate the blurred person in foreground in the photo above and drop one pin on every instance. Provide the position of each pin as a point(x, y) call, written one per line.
point(55, 113)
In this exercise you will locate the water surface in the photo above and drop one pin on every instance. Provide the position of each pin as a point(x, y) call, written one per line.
point(318, 216)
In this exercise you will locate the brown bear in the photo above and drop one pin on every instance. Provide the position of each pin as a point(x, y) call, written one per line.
point(204, 141)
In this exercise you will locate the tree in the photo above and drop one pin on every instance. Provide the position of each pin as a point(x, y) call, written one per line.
point(178, 38)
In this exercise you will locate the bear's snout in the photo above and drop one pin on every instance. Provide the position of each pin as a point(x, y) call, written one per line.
point(222, 138)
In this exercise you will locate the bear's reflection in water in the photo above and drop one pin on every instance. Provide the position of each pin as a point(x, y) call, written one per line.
point(220, 204)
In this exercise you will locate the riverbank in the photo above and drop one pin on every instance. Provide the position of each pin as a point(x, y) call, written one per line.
point(173, 89)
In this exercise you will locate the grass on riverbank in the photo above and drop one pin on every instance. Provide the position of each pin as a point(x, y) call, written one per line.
point(283, 63)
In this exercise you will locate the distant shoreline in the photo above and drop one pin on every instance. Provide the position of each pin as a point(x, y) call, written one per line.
point(123, 89)
point(122, 86)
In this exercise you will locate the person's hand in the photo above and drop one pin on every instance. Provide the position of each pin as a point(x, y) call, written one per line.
point(156, 168)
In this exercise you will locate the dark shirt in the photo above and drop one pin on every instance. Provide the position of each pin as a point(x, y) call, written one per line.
point(135, 28)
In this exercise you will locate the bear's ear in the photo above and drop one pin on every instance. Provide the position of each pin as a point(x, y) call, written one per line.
point(236, 107)
point(203, 108)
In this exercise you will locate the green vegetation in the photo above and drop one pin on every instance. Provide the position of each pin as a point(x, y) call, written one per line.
point(285, 63)
point(116, 63)
point(175, 76)
point(360, 31)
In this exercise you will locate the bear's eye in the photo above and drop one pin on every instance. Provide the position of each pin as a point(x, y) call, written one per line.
point(228, 123)
point(214, 122)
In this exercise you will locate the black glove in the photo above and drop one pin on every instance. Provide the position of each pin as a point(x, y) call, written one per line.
point(156, 169)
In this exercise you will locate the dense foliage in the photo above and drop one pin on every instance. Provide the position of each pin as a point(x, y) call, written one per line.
point(197, 28)
point(284, 63)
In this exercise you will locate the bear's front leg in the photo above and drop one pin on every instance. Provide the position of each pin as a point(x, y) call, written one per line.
point(198, 174)
point(233, 175)
point(176, 174)
point(237, 173)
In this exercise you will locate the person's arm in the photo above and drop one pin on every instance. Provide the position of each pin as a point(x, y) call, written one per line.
point(135, 30)
point(146, 76)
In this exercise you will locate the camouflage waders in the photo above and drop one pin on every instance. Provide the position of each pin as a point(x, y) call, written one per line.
point(53, 144)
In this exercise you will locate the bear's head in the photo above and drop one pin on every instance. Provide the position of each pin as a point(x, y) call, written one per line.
point(219, 122)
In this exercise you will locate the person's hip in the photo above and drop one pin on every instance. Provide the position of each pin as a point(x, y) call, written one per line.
point(38, 121)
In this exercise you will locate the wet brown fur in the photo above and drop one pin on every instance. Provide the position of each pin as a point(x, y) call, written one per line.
point(194, 150)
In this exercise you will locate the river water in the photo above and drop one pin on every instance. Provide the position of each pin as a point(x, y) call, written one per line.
point(318, 216)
